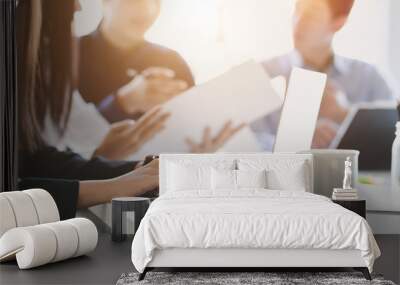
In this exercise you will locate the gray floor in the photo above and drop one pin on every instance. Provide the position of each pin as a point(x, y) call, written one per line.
point(389, 262)
point(110, 260)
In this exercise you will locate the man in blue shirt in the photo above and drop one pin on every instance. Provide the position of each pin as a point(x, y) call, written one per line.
point(350, 81)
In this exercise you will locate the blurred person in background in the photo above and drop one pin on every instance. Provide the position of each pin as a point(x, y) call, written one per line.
point(120, 71)
point(124, 137)
point(350, 81)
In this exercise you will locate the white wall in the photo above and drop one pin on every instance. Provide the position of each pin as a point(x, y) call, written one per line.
point(87, 19)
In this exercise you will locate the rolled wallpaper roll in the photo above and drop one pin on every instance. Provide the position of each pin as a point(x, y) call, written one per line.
point(26, 208)
point(23, 208)
point(37, 245)
point(67, 240)
point(7, 218)
point(45, 205)
point(32, 246)
point(87, 235)
point(31, 232)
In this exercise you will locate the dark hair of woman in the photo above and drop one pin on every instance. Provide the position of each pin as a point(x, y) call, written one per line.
point(44, 67)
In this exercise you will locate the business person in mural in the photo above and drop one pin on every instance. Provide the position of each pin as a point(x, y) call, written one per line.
point(350, 81)
point(46, 73)
point(123, 73)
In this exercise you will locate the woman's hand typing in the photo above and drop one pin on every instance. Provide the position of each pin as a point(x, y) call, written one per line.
point(134, 183)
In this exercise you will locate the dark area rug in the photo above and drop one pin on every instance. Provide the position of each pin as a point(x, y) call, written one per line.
point(225, 278)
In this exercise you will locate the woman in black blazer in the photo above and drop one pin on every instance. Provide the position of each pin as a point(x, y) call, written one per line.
point(45, 80)
point(47, 56)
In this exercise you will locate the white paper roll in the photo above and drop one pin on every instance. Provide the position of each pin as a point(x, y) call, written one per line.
point(67, 240)
point(33, 246)
point(45, 205)
point(24, 210)
point(40, 244)
point(87, 235)
point(7, 218)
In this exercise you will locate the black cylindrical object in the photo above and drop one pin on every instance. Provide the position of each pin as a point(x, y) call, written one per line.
point(127, 212)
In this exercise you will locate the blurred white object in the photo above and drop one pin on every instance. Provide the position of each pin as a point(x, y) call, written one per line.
point(300, 111)
point(243, 141)
point(242, 95)
point(86, 129)
point(279, 85)
point(396, 160)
